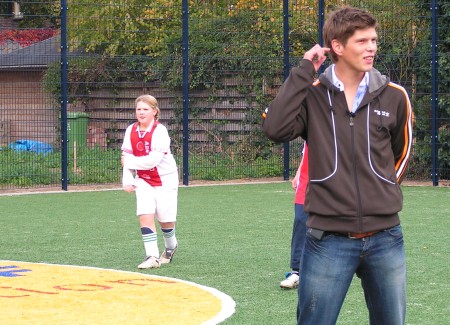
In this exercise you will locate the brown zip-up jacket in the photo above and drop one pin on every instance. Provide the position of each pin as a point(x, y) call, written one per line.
point(356, 160)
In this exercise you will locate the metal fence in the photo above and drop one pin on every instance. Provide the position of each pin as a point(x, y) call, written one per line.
point(70, 71)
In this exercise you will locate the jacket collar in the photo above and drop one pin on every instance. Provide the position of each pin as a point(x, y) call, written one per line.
point(377, 81)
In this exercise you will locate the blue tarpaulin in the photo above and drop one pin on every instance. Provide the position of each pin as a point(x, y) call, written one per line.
point(31, 145)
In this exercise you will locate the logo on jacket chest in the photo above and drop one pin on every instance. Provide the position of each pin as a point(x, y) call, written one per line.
point(381, 112)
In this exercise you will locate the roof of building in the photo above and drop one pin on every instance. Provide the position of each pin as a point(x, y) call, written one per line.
point(37, 55)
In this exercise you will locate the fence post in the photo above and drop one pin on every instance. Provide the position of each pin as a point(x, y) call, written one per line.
point(185, 17)
point(287, 66)
point(321, 21)
point(63, 97)
point(434, 93)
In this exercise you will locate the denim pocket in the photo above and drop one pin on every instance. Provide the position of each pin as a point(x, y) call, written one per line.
point(395, 231)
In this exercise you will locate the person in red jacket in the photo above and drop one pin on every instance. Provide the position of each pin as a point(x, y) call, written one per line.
point(358, 125)
point(150, 171)
point(299, 184)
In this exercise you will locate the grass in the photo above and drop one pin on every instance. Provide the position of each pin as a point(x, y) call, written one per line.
point(235, 238)
point(25, 169)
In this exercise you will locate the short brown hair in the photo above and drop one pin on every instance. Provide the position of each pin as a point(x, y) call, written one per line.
point(342, 24)
point(150, 101)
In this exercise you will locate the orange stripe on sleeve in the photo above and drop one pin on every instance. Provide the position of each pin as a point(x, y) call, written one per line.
point(402, 163)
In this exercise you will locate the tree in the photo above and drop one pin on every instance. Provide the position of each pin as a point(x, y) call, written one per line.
point(131, 27)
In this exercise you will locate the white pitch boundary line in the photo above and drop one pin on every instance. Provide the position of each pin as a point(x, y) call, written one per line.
point(225, 183)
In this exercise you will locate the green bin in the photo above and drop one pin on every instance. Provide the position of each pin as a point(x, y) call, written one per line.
point(77, 128)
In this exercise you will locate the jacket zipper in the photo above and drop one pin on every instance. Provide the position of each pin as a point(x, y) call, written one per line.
point(358, 194)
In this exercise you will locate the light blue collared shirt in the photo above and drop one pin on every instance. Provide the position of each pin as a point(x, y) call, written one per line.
point(362, 88)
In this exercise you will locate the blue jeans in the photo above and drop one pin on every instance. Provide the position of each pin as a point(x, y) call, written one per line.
point(328, 268)
point(298, 236)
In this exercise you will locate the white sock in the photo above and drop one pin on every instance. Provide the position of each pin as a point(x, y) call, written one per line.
point(170, 241)
point(151, 245)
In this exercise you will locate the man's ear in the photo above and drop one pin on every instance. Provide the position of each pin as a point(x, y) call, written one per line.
point(337, 47)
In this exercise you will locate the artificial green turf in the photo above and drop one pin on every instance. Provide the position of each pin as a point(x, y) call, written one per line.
point(235, 238)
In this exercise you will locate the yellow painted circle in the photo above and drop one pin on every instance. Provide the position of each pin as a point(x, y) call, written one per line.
point(35, 293)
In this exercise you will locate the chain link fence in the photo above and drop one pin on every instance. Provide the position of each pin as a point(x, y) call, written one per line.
point(70, 71)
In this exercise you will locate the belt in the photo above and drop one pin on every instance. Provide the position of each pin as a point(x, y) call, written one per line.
point(356, 235)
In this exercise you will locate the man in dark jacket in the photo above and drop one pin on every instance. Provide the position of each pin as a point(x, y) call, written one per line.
point(358, 126)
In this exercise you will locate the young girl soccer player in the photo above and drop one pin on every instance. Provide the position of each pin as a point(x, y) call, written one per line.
point(149, 169)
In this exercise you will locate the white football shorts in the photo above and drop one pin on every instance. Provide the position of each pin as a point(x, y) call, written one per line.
point(159, 200)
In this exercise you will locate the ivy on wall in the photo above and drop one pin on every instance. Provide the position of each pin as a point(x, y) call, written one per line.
point(26, 37)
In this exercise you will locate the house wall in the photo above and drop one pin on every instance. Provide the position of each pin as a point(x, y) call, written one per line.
point(26, 112)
